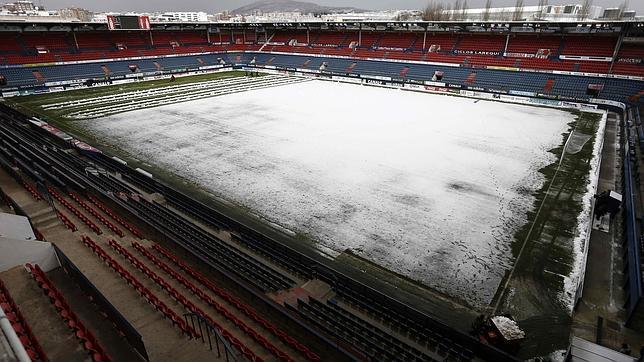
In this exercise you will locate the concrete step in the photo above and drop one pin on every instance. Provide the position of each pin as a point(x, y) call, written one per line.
point(212, 312)
point(91, 316)
point(40, 211)
point(56, 339)
point(44, 219)
point(163, 341)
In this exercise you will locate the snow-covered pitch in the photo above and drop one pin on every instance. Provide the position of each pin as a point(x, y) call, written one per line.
point(430, 186)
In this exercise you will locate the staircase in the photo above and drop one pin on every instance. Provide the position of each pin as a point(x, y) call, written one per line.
point(58, 342)
point(413, 44)
point(456, 44)
point(562, 45)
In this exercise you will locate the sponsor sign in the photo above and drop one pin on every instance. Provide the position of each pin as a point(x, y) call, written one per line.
point(374, 81)
point(84, 146)
point(519, 55)
point(477, 52)
point(437, 84)
point(436, 89)
point(545, 102)
point(379, 77)
point(630, 60)
point(522, 93)
point(389, 48)
point(502, 91)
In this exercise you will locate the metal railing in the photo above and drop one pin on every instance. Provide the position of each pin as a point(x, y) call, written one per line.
point(210, 333)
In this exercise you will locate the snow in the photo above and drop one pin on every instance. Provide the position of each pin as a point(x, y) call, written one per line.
point(508, 328)
point(430, 186)
point(584, 223)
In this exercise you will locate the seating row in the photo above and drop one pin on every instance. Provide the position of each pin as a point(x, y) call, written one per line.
point(244, 265)
point(74, 210)
point(280, 255)
point(84, 335)
point(444, 346)
point(32, 190)
point(213, 303)
point(373, 341)
point(249, 312)
point(176, 295)
point(96, 215)
point(131, 280)
point(65, 220)
point(20, 325)
point(411, 328)
point(109, 184)
point(115, 217)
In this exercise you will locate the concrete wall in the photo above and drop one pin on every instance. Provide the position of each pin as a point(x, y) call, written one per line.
point(19, 252)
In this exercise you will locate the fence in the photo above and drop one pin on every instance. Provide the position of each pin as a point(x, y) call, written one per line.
point(211, 333)
point(631, 242)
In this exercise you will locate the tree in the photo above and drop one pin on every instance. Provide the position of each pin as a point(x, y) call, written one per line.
point(464, 10)
point(542, 6)
point(434, 11)
point(585, 9)
point(622, 8)
point(486, 13)
point(456, 7)
point(518, 11)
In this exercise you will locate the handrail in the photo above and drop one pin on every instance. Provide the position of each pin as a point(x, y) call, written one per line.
point(13, 339)
point(631, 242)
point(213, 331)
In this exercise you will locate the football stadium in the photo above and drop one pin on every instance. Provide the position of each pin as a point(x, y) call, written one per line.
point(321, 190)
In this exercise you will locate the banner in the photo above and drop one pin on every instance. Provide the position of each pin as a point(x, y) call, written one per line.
point(144, 22)
point(111, 22)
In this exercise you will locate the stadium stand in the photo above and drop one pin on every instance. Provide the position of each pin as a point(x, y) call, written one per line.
point(39, 47)
point(358, 318)
point(115, 217)
point(211, 302)
point(567, 85)
point(176, 295)
point(496, 56)
point(481, 43)
point(532, 44)
point(141, 289)
point(84, 335)
point(402, 41)
point(226, 296)
point(20, 325)
point(74, 211)
point(578, 45)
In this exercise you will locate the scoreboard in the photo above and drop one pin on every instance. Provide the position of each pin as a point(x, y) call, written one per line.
point(128, 22)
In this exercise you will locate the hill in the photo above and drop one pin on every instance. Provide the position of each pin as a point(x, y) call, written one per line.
point(267, 6)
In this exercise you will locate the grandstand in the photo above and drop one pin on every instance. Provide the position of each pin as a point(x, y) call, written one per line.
point(132, 267)
point(554, 61)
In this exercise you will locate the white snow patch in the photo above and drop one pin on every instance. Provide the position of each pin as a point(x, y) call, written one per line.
point(508, 328)
point(584, 223)
point(558, 356)
point(430, 186)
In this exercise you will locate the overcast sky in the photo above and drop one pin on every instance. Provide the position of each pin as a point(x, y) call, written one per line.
point(211, 6)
